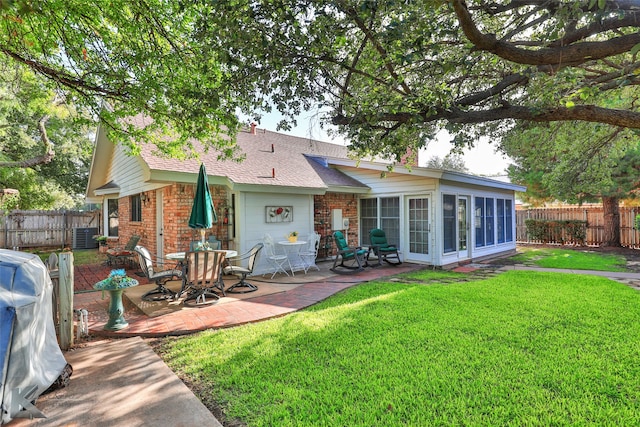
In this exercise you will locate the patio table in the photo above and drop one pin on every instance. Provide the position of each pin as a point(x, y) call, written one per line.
point(292, 250)
point(179, 256)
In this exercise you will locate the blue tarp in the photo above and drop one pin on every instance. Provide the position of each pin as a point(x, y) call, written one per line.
point(7, 316)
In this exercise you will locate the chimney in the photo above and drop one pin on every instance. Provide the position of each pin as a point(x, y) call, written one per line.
point(407, 158)
point(253, 128)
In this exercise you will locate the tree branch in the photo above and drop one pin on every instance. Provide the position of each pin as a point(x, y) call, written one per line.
point(587, 113)
point(378, 47)
point(474, 98)
point(48, 155)
point(573, 54)
point(62, 78)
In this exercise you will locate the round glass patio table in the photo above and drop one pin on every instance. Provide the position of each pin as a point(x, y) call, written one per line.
point(179, 256)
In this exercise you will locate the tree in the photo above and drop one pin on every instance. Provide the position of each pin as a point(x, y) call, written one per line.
point(393, 73)
point(45, 148)
point(390, 74)
point(452, 162)
point(576, 162)
point(123, 58)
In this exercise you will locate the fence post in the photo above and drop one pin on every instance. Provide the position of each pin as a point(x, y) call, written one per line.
point(65, 219)
point(65, 266)
point(6, 230)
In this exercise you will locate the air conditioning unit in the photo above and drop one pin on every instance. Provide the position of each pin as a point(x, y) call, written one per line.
point(83, 238)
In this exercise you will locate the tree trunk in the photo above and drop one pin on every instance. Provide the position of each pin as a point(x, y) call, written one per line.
point(611, 212)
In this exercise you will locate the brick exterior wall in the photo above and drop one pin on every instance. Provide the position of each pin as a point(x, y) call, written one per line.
point(323, 205)
point(177, 201)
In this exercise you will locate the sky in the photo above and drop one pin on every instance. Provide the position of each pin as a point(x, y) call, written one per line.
point(480, 160)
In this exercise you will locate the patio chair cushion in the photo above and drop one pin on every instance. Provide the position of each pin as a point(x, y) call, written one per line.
point(119, 252)
point(127, 253)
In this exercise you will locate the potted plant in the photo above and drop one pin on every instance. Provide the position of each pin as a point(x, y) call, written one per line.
point(293, 236)
point(102, 240)
point(102, 243)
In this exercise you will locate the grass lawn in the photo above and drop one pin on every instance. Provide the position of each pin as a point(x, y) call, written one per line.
point(521, 348)
point(80, 256)
point(572, 259)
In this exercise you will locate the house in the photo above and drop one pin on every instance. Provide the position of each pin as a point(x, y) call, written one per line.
point(289, 184)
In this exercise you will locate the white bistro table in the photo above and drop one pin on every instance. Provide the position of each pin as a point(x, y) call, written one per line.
point(292, 250)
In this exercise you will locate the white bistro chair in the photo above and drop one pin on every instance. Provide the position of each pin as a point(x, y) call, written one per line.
point(310, 253)
point(277, 260)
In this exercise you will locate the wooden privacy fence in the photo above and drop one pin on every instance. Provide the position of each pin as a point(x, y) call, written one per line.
point(34, 228)
point(592, 214)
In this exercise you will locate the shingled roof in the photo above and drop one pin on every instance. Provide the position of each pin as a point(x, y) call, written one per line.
point(272, 159)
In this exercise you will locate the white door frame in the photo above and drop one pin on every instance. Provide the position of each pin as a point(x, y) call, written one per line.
point(464, 253)
point(159, 223)
point(419, 243)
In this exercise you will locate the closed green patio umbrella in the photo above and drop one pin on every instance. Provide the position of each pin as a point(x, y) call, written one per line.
point(203, 213)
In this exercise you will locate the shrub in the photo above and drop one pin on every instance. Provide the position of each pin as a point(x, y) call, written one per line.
point(557, 231)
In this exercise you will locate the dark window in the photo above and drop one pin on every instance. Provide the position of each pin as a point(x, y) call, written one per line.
point(449, 222)
point(479, 221)
point(112, 215)
point(136, 207)
point(508, 220)
point(489, 221)
point(500, 220)
point(381, 213)
point(390, 218)
point(368, 218)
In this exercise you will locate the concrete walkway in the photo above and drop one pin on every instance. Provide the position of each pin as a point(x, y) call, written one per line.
point(120, 383)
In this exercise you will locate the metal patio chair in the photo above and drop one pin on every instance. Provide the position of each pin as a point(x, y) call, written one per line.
point(202, 277)
point(278, 261)
point(123, 255)
point(159, 277)
point(242, 272)
point(310, 253)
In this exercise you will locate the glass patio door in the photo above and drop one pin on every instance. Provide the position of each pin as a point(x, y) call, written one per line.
point(419, 228)
point(463, 228)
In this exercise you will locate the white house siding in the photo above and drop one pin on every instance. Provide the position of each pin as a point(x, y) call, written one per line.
point(405, 185)
point(251, 219)
point(402, 185)
point(472, 191)
point(392, 183)
point(127, 173)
